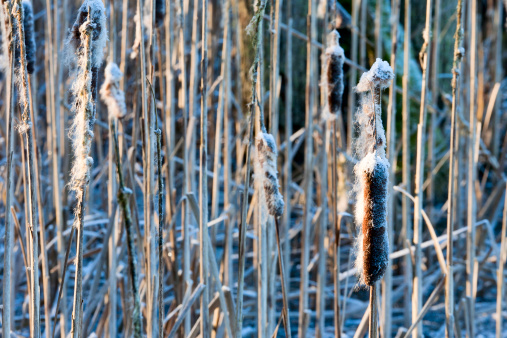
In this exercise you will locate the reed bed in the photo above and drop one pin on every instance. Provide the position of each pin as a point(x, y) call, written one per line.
point(221, 168)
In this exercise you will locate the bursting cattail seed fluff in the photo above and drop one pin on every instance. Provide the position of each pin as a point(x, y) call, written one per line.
point(266, 173)
point(372, 177)
point(84, 86)
point(110, 91)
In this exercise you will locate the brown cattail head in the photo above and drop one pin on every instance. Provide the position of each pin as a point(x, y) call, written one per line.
point(266, 173)
point(371, 215)
point(335, 58)
point(110, 91)
point(29, 36)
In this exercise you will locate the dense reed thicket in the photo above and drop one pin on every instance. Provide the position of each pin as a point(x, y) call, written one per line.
point(220, 168)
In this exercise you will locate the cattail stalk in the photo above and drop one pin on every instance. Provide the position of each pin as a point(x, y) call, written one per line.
point(26, 129)
point(89, 35)
point(123, 199)
point(254, 30)
point(472, 168)
point(387, 283)
point(334, 73)
point(203, 178)
point(9, 39)
point(449, 286)
point(500, 271)
point(424, 57)
point(288, 149)
point(405, 202)
point(303, 319)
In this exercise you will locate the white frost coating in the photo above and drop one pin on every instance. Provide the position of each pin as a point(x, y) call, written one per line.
point(265, 174)
point(380, 74)
point(110, 91)
point(334, 45)
point(99, 35)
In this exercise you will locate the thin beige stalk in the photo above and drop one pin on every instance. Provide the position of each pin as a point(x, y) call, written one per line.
point(424, 56)
point(406, 176)
point(9, 221)
point(308, 176)
point(500, 272)
point(472, 169)
point(203, 178)
point(26, 129)
point(449, 285)
point(387, 283)
point(288, 149)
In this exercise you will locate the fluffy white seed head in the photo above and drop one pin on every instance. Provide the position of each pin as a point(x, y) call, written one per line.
point(99, 30)
point(88, 30)
point(110, 91)
point(266, 173)
point(380, 74)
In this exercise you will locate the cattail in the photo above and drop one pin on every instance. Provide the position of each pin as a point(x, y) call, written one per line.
point(29, 36)
point(111, 93)
point(88, 36)
point(266, 173)
point(372, 177)
point(335, 58)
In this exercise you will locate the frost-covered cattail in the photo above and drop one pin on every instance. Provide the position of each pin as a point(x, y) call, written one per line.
point(111, 93)
point(89, 36)
point(29, 35)
point(372, 176)
point(266, 173)
point(334, 74)
point(98, 31)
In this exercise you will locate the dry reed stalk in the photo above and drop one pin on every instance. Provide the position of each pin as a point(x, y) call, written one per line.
point(334, 74)
point(387, 283)
point(8, 38)
point(25, 128)
point(115, 100)
point(472, 169)
point(406, 179)
point(500, 271)
point(123, 200)
point(424, 56)
point(287, 169)
point(254, 31)
point(89, 37)
point(182, 101)
point(434, 101)
point(449, 285)
point(203, 178)
point(303, 319)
